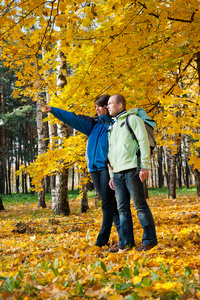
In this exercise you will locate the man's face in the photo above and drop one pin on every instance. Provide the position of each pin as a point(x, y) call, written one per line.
point(113, 107)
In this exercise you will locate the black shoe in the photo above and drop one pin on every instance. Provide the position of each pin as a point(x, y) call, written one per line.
point(100, 245)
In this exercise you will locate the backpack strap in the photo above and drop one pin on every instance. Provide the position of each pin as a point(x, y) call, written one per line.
point(128, 126)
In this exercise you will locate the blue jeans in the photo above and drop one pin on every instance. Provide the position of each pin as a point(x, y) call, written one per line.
point(109, 206)
point(127, 184)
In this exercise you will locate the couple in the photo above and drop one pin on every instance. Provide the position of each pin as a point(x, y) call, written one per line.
point(126, 180)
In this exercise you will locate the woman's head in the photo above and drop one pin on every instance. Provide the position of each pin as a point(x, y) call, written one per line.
point(101, 105)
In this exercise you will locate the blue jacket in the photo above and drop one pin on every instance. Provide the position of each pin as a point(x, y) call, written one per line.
point(97, 131)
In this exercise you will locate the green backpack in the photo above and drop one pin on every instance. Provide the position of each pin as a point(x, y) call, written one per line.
point(150, 124)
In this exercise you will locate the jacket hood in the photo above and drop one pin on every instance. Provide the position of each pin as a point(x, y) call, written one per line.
point(132, 111)
point(105, 119)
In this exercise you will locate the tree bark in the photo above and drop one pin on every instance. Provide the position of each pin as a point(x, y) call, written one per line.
point(96, 198)
point(179, 167)
point(60, 201)
point(160, 167)
point(84, 199)
point(41, 146)
point(3, 144)
point(1, 204)
point(171, 163)
point(61, 205)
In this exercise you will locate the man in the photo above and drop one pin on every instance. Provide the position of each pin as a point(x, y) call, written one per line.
point(126, 179)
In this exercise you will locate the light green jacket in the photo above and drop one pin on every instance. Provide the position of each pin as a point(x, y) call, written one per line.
point(122, 147)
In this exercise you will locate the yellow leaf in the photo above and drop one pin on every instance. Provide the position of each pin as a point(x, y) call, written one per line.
point(195, 161)
point(117, 297)
point(136, 279)
point(198, 294)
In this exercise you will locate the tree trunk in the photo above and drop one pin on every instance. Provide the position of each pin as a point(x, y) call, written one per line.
point(73, 177)
point(41, 146)
point(41, 196)
point(160, 167)
point(187, 174)
point(84, 199)
point(3, 143)
point(152, 178)
point(51, 132)
point(1, 204)
point(171, 162)
point(61, 205)
point(96, 198)
point(60, 202)
point(179, 167)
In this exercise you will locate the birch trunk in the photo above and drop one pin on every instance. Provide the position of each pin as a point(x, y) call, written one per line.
point(41, 147)
point(51, 129)
point(60, 201)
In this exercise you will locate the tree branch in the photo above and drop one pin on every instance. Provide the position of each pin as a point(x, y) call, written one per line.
point(169, 18)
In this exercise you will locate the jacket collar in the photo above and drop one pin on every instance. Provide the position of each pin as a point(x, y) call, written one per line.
point(120, 113)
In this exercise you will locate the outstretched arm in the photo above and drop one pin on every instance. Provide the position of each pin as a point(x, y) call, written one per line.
point(83, 124)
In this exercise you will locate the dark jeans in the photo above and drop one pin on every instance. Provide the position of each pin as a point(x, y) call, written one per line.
point(128, 184)
point(109, 206)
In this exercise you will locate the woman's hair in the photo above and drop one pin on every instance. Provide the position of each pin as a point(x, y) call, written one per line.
point(102, 101)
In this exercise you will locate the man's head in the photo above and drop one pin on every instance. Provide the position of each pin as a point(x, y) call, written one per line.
point(116, 103)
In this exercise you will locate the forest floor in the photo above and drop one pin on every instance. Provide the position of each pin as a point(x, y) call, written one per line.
point(43, 256)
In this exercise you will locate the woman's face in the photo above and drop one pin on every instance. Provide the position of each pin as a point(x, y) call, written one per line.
point(101, 110)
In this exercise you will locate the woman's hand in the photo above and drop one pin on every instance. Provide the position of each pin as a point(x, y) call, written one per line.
point(46, 108)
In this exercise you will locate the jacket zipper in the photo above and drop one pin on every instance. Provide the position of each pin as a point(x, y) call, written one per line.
point(96, 145)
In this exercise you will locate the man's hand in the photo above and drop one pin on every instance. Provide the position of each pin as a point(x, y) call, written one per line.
point(46, 108)
point(144, 174)
point(111, 184)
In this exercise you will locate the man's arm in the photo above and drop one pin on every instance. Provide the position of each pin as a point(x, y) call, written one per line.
point(142, 137)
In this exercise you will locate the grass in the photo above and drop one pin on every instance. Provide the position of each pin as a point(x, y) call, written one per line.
point(72, 194)
point(179, 191)
point(31, 198)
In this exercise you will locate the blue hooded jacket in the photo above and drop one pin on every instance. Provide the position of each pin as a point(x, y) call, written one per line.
point(97, 131)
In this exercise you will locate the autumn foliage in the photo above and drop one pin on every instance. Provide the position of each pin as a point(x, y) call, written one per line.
point(148, 51)
point(49, 257)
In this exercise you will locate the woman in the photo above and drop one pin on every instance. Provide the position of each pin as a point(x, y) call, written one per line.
point(96, 128)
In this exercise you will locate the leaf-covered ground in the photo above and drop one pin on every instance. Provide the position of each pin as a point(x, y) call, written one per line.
point(43, 256)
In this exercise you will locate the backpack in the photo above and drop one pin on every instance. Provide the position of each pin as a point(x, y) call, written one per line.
point(149, 125)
